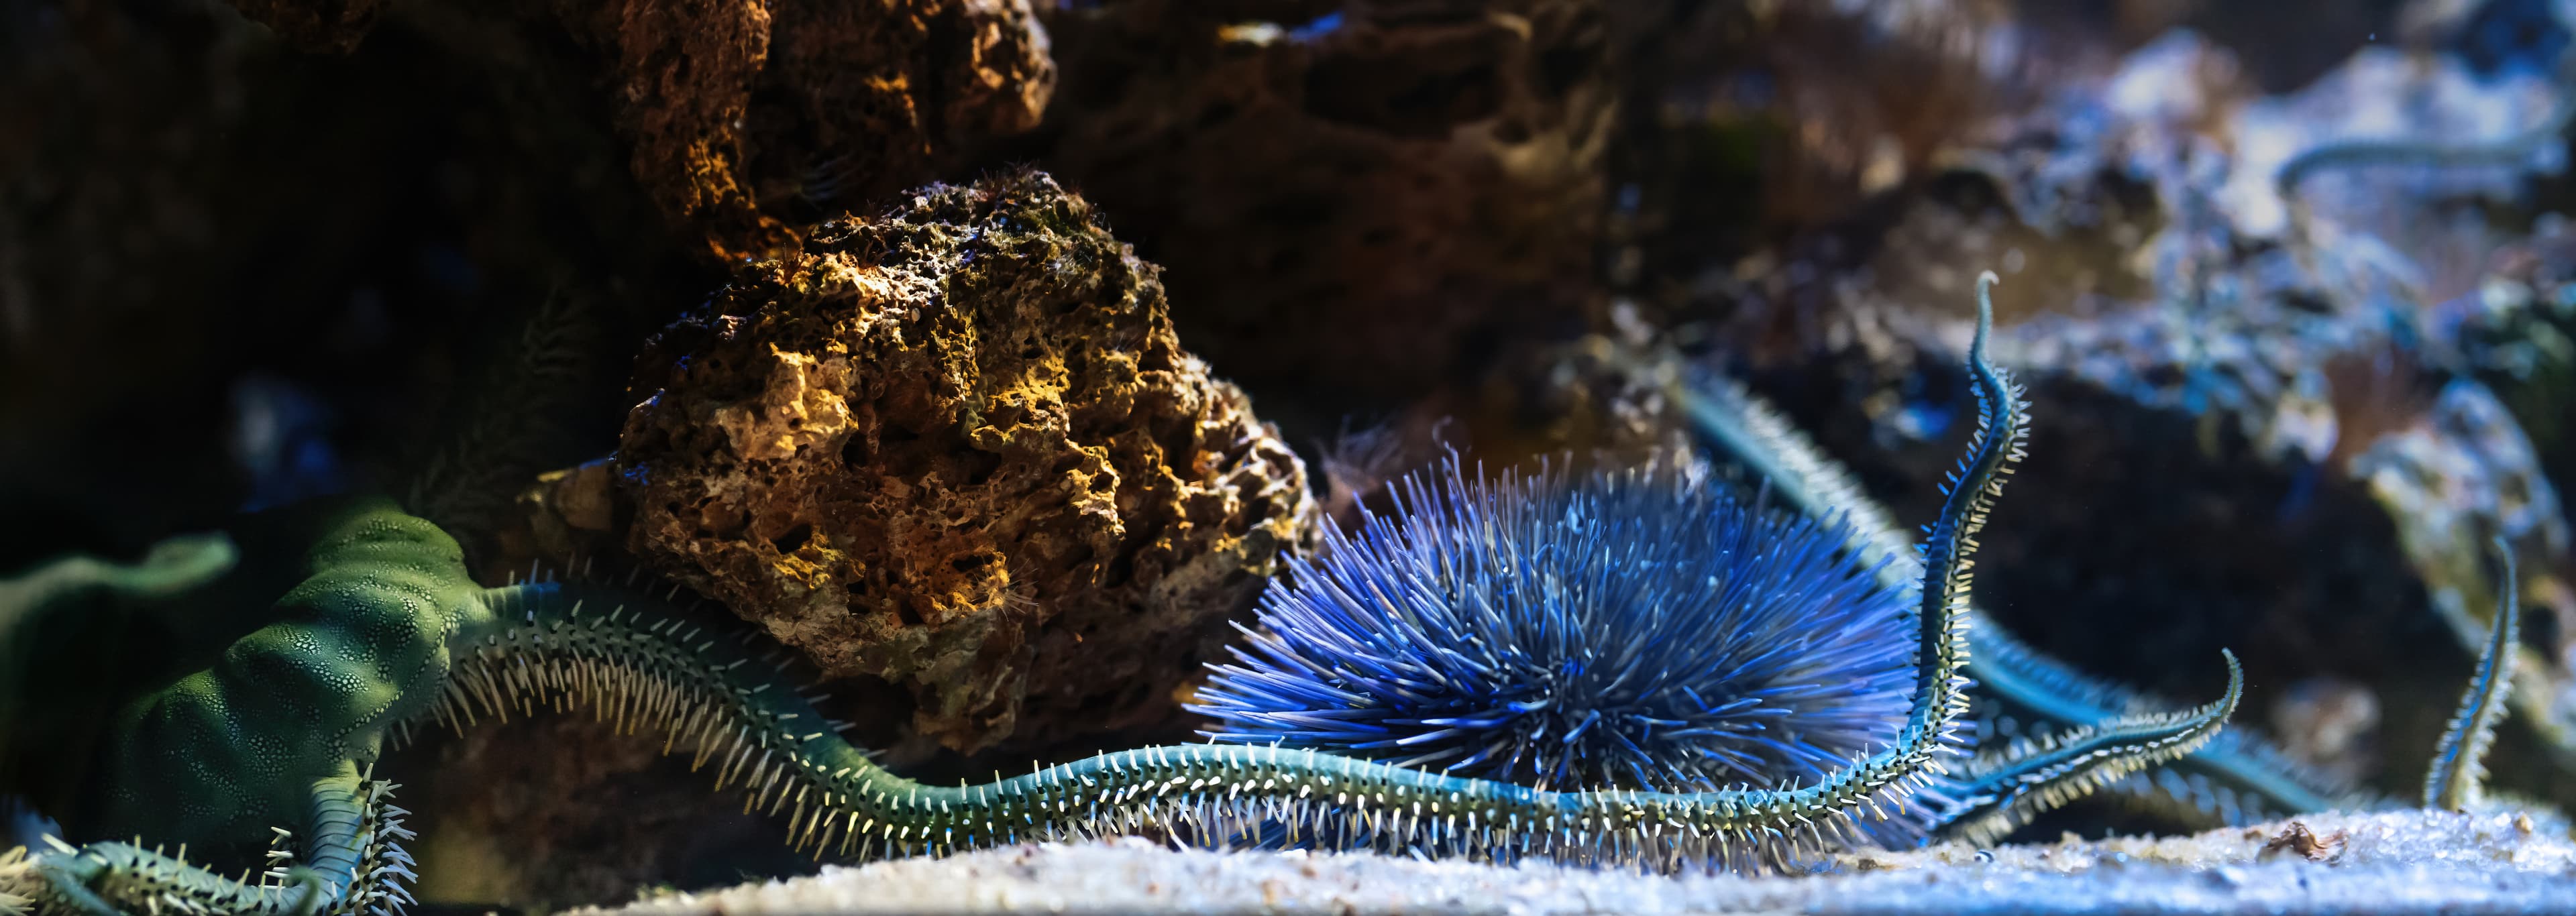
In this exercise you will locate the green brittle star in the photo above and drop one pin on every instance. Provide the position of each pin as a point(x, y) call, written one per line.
point(2234, 778)
point(2457, 779)
point(388, 632)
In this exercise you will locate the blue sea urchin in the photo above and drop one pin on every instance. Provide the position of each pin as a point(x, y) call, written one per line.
point(1627, 629)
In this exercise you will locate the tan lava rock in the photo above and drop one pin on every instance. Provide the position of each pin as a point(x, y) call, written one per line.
point(957, 447)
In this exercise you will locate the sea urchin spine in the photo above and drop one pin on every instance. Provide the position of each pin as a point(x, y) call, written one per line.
point(1635, 629)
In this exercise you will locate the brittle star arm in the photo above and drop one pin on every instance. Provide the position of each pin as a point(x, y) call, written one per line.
point(2514, 150)
point(1728, 418)
point(644, 664)
point(2002, 791)
point(2459, 771)
point(352, 862)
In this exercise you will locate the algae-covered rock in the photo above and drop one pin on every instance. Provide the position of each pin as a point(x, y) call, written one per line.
point(957, 447)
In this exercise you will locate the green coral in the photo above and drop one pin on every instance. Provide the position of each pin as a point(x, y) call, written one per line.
point(361, 644)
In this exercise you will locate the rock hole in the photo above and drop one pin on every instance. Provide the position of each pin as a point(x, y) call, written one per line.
point(1241, 522)
point(976, 467)
point(1559, 69)
point(794, 539)
point(1179, 441)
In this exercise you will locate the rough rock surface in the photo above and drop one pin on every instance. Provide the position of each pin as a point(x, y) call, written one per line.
point(2405, 861)
point(1433, 172)
point(957, 447)
point(742, 113)
point(749, 120)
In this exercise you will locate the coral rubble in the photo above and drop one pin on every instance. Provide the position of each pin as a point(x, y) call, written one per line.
point(958, 447)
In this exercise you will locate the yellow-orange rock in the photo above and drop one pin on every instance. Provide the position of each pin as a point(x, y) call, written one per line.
point(958, 448)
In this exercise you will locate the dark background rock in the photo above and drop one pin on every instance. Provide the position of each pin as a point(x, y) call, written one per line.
point(747, 120)
point(232, 274)
point(2246, 436)
point(1356, 204)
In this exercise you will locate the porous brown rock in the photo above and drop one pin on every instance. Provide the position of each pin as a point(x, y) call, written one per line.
point(748, 118)
point(958, 448)
point(747, 121)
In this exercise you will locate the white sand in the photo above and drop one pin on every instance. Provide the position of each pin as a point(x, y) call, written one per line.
point(2390, 862)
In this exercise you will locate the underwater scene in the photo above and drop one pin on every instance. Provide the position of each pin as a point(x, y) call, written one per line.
point(1284, 456)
